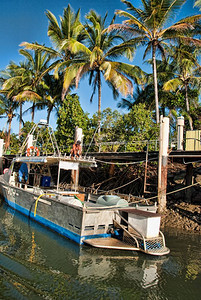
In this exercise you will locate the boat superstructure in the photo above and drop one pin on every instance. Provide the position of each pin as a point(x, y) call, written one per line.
point(32, 186)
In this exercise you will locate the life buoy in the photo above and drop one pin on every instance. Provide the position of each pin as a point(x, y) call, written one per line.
point(5, 170)
point(34, 150)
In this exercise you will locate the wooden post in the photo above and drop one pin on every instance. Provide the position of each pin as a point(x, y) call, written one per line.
point(75, 173)
point(162, 163)
point(75, 178)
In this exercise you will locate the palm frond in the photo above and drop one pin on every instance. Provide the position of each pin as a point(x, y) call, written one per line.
point(172, 85)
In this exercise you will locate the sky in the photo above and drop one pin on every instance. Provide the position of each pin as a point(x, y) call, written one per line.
point(25, 20)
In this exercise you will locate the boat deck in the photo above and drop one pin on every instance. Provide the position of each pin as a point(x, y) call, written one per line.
point(109, 243)
point(112, 243)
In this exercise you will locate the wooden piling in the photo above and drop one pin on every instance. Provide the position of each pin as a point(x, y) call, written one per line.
point(162, 163)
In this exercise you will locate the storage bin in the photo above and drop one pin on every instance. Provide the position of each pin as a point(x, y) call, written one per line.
point(45, 181)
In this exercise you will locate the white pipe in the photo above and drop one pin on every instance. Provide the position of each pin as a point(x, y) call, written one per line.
point(180, 133)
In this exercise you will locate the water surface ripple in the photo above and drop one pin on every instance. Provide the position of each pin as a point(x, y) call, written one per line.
point(36, 263)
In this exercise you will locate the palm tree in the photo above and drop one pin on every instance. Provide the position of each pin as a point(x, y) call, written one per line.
point(147, 27)
point(52, 94)
point(97, 57)
point(12, 82)
point(186, 72)
point(25, 81)
point(198, 3)
point(69, 33)
point(8, 108)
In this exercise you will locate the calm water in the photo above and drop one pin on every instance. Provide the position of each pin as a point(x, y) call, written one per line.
point(35, 263)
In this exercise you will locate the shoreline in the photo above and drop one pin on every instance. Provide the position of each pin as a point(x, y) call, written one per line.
point(185, 217)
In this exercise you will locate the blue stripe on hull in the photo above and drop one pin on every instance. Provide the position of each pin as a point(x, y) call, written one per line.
point(63, 231)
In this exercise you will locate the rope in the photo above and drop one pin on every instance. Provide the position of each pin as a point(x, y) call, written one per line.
point(175, 191)
point(127, 163)
point(124, 185)
point(91, 141)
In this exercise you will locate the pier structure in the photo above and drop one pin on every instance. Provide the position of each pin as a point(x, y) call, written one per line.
point(162, 156)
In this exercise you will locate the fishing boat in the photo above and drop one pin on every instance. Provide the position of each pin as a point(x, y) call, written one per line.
point(32, 186)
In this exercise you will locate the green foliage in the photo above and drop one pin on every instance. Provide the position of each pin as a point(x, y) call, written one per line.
point(111, 131)
point(70, 115)
point(140, 127)
point(14, 144)
point(128, 132)
point(25, 130)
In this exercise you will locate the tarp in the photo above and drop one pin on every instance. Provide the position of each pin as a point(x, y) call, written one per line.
point(23, 171)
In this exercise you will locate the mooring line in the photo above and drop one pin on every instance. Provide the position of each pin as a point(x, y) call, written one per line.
point(175, 191)
point(128, 163)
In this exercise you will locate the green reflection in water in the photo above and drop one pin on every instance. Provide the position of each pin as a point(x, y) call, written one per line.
point(36, 263)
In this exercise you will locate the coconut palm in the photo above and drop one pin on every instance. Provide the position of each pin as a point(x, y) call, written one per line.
point(13, 81)
point(97, 58)
point(146, 27)
point(186, 73)
point(8, 108)
point(198, 3)
point(26, 79)
point(68, 32)
point(52, 94)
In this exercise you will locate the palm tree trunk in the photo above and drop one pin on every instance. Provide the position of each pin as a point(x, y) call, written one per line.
point(99, 102)
point(20, 123)
point(49, 109)
point(7, 144)
point(188, 107)
point(155, 81)
point(33, 112)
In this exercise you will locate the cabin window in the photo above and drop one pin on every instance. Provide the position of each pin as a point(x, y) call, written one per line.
point(101, 226)
point(89, 228)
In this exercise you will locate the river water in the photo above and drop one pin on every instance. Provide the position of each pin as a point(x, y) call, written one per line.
point(36, 263)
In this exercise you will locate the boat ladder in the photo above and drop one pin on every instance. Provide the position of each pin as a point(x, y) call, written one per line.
point(153, 246)
point(148, 175)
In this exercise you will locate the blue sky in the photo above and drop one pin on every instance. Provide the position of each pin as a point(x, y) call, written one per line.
point(25, 20)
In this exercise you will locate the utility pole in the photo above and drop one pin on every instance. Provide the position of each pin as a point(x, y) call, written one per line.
point(162, 162)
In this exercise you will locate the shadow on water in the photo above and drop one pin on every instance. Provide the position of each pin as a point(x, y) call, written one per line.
point(36, 263)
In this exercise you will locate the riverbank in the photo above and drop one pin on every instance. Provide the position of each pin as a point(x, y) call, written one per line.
point(183, 216)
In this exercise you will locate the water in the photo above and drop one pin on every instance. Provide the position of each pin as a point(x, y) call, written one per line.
point(36, 263)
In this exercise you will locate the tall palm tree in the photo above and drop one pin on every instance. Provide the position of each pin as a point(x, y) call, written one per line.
point(52, 94)
point(13, 82)
point(8, 107)
point(69, 33)
point(146, 27)
point(97, 56)
point(25, 82)
point(186, 73)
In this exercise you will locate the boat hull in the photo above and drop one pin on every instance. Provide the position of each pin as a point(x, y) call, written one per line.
point(67, 220)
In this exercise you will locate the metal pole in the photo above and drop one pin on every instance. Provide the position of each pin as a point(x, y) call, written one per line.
point(162, 165)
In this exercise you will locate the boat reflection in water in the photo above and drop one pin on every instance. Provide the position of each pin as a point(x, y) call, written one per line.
point(32, 256)
point(33, 186)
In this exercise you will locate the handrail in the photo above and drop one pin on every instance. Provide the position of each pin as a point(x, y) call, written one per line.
point(133, 237)
point(128, 223)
